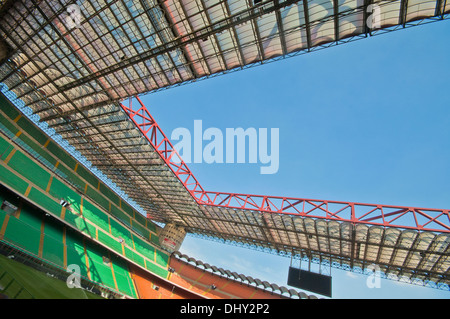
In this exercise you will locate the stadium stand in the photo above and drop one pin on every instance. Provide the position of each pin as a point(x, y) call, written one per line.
point(37, 169)
point(150, 287)
point(55, 211)
point(214, 282)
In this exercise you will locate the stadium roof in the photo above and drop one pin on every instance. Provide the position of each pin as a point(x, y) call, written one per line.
point(75, 65)
point(117, 49)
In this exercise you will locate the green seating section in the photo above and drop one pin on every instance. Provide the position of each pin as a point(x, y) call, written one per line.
point(95, 210)
point(48, 239)
point(64, 164)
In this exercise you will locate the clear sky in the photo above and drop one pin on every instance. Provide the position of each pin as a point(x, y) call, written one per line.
point(367, 121)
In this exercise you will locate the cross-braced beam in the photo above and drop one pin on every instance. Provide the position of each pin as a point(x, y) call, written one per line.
point(403, 217)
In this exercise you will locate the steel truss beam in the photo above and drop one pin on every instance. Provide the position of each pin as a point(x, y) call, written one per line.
point(420, 219)
point(403, 217)
point(144, 121)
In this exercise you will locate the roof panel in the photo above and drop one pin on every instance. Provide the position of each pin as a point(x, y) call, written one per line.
point(389, 11)
point(112, 36)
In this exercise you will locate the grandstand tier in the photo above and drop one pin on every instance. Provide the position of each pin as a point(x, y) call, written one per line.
point(53, 209)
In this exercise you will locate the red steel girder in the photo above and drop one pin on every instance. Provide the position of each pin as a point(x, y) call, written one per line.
point(147, 125)
point(404, 217)
point(420, 219)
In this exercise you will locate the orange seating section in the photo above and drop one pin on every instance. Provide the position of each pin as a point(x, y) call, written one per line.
point(201, 281)
point(152, 287)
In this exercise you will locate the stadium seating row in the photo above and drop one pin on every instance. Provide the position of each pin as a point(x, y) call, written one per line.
point(66, 216)
point(220, 283)
point(214, 286)
point(45, 189)
point(63, 164)
point(108, 220)
point(44, 237)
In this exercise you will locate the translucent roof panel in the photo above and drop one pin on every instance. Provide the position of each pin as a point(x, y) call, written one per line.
point(99, 51)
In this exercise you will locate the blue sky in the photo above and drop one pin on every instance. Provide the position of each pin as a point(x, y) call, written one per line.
point(366, 121)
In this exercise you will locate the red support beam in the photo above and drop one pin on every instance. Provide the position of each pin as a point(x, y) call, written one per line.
point(145, 122)
point(420, 219)
point(435, 220)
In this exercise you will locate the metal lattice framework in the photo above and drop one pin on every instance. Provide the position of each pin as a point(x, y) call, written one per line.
point(420, 219)
point(406, 242)
point(74, 68)
point(120, 49)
